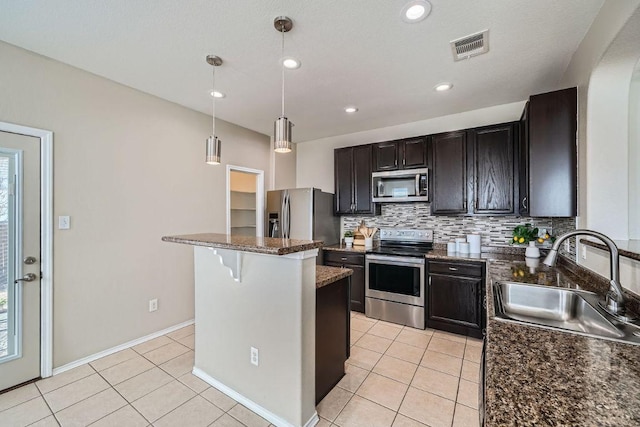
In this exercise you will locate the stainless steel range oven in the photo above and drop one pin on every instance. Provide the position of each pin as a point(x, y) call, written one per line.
point(395, 277)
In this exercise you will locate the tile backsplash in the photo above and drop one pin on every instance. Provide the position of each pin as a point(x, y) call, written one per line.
point(495, 230)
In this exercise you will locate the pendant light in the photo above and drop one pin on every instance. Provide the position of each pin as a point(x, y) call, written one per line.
point(282, 126)
point(213, 143)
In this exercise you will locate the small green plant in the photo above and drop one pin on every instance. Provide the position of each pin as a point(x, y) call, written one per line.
point(348, 234)
point(524, 234)
point(3, 302)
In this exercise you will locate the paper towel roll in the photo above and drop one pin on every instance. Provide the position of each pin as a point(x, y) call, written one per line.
point(474, 243)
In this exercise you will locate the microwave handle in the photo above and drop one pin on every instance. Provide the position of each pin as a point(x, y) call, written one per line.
point(417, 184)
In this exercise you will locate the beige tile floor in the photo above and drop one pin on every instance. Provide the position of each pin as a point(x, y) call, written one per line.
point(396, 376)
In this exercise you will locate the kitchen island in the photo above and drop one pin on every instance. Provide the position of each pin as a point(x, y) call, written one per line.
point(255, 304)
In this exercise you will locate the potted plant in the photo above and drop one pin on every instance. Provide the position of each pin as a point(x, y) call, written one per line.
point(527, 234)
point(524, 234)
point(3, 304)
point(348, 238)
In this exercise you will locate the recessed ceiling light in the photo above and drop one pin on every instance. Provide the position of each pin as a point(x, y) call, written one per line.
point(217, 94)
point(351, 109)
point(415, 11)
point(441, 87)
point(291, 63)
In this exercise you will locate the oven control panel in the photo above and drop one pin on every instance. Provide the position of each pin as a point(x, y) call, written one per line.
point(406, 235)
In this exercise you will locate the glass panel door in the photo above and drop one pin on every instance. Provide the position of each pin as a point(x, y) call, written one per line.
point(9, 295)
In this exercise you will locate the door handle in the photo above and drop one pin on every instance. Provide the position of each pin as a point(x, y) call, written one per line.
point(29, 277)
point(524, 203)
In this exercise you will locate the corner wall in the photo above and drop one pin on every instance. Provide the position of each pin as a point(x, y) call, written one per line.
point(128, 169)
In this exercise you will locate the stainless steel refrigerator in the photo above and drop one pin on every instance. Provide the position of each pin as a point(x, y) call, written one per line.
point(302, 213)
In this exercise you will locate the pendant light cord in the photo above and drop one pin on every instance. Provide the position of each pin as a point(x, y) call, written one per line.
point(213, 103)
point(282, 65)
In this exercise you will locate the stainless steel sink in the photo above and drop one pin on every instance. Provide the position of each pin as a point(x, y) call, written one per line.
point(558, 308)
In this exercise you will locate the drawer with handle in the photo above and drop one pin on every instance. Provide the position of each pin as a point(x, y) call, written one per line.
point(456, 268)
point(342, 257)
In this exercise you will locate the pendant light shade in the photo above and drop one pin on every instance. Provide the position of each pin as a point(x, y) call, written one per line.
point(213, 145)
point(282, 126)
point(282, 135)
point(213, 150)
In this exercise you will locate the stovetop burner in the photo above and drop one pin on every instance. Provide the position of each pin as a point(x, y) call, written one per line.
point(404, 242)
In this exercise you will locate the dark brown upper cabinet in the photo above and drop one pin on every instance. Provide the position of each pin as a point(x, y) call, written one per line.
point(548, 156)
point(492, 165)
point(386, 156)
point(449, 173)
point(408, 153)
point(352, 176)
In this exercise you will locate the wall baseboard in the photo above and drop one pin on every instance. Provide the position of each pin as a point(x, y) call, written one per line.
point(120, 347)
point(250, 404)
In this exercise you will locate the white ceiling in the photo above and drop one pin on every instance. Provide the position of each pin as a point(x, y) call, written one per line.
point(353, 52)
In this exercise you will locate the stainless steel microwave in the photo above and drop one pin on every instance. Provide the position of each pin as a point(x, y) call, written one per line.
point(411, 185)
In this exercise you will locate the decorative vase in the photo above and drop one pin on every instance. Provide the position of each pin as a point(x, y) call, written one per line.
point(348, 241)
point(532, 251)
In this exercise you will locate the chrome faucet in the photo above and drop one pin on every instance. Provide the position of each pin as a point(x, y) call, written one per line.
point(615, 301)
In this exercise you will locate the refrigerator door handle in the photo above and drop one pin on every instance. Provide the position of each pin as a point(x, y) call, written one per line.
point(286, 214)
point(283, 220)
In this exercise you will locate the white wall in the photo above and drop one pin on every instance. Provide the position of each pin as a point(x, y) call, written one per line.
point(598, 261)
point(128, 169)
point(315, 158)
point(634, 155)
point(283, 166)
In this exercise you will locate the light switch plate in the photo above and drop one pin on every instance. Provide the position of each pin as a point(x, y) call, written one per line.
point(64, 222)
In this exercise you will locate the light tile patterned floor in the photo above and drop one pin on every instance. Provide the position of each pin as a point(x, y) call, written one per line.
point(396, 376)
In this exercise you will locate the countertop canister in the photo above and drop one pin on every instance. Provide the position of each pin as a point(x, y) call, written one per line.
point(474, 243)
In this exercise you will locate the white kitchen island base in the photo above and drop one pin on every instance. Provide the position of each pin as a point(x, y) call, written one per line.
point(270, 307)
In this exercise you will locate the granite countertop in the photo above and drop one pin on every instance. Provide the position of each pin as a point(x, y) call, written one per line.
point(327, 275)
point(262, 245)
point(483, 257)
point(538, 377)
point(341, 247)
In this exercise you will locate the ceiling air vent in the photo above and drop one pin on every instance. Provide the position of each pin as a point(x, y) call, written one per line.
point(471, 45)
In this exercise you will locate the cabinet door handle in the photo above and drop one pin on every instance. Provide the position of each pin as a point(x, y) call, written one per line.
point(524, 203)
point(453, 269)
point(343, 259)
point(429, 280)
point(464, 205)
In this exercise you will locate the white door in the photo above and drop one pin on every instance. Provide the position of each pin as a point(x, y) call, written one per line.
point(19, 259)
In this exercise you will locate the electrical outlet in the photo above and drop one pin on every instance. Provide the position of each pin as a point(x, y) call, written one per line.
point(583, 251)
point(64, 222)
point(153, 304)
point(255, 357)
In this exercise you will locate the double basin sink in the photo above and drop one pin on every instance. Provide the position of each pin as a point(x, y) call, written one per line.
point(569, 310)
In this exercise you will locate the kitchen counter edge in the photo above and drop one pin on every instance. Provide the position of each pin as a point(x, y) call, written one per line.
point(261, 245)
point(326, 275)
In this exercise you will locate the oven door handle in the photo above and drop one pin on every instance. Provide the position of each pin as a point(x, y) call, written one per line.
point(396, 260)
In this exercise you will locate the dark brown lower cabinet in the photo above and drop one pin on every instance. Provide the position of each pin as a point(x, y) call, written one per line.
point(355, 262)
point(456, 298)
point(332, 335)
